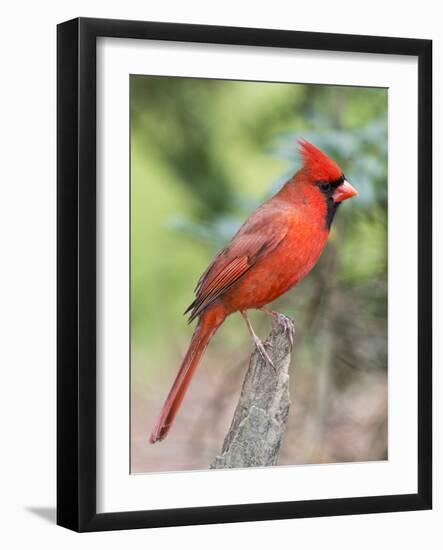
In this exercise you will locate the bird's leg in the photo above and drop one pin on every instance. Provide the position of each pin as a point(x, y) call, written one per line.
point(258, 343)
point(281, 319)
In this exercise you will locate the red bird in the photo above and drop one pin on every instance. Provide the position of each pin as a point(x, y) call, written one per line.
point(274, 249)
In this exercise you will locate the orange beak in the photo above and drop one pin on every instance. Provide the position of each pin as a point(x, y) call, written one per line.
point(344, 191)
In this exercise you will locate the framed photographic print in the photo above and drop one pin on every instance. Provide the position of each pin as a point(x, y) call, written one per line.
point(276, 187)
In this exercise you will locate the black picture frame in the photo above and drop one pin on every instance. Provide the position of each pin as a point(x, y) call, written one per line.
point(76, 279)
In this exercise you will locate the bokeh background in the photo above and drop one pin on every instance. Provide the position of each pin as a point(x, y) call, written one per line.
point(204, 154)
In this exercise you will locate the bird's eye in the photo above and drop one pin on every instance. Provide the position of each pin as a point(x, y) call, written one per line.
point(325, 186)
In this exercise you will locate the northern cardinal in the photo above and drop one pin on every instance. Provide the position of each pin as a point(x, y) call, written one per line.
point(274, 249)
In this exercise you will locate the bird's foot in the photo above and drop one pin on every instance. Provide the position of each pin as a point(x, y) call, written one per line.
point(287, 323)
point(262, 351)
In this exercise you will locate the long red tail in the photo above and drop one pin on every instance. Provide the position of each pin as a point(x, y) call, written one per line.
point(209, 322)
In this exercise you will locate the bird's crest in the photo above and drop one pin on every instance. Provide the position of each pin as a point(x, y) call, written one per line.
point(319, 166)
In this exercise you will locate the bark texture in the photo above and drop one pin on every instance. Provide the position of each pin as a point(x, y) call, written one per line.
point(259, 421)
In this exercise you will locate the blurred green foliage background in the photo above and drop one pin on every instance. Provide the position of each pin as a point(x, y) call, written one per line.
point(204, 154)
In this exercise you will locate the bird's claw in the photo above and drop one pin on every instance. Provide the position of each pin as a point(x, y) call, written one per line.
point(288, 325)
point(263, 353)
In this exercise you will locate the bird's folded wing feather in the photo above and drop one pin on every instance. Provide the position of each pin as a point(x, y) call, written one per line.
point(261, 234)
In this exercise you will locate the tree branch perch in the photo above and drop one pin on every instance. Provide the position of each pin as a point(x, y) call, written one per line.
point(259, 421)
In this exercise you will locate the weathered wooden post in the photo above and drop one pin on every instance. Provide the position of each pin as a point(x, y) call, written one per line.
point(259, 421)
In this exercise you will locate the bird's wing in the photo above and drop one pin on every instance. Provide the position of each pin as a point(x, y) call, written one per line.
point(261, 234)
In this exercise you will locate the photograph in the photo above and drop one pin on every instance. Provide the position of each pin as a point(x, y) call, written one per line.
point(258, 274)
